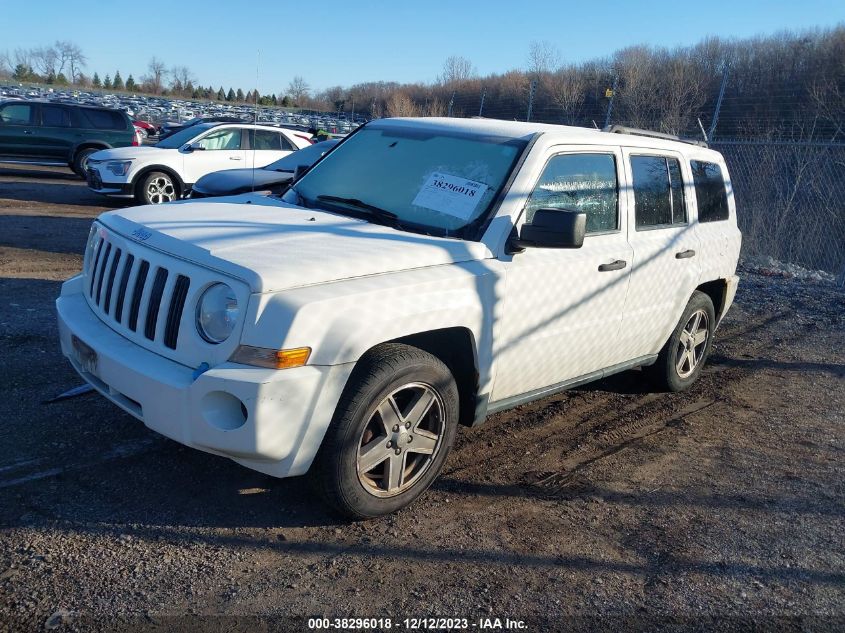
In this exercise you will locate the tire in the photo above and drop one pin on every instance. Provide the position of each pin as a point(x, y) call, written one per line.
point(368, 464)
point(80, 161)
point(157, 187)
point(681, 360)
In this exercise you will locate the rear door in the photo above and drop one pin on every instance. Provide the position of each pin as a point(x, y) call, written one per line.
point(56, 138)
point(267, 146)
point(18, 128)
point(666, 265)
point(218, 149)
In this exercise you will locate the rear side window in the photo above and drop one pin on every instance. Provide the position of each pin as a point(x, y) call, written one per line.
point(16, 114)
point(658, 192)
point(580, 182)
point(263, 139)
point(104, 119)
point(709, 191)
point(55, 116)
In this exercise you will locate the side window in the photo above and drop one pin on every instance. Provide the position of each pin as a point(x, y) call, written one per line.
point(104, 119)
point(229, 138)
point(16, 114)
point(580, 182)
point(709, 191)
point(658, 191)
point(287, 145)
point(264, 139)
point(55, 116)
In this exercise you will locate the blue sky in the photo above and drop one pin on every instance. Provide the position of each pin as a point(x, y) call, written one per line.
point(332, 42)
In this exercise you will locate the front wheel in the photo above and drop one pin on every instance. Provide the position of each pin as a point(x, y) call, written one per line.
point(156, 187)
point(681, 360)
point(391, 433)
point(80, 161)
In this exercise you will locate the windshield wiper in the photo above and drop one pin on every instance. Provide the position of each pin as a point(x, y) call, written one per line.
point(363, 206)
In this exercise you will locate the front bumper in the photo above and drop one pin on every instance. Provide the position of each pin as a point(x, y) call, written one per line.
point(268, 420)
point(112, 189)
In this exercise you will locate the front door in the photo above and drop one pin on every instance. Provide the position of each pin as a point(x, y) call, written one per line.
point(56, 138)
point(219, 149)
point(18, 130)
point(563, 307)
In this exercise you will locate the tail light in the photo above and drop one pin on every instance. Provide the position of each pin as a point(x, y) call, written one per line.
point(310, 139)
point(136, 139)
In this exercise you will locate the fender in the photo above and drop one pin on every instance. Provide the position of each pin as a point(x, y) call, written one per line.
point(183, 187)
point(90, 143)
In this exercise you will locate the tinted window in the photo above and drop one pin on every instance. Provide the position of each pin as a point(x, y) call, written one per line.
point(104, 119)
point(264, 139)
point(658, 191)
point(178, 139)
point(55, 116)
point(580, 182)
point(228, 139)
point(709, 191)
point(16, 114)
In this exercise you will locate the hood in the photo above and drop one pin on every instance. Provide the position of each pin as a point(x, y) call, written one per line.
point(272, 245)
point(124, 153)
point(234, 180)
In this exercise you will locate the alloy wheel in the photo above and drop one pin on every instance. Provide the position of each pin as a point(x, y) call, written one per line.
point(692, 343)
point(160, 189)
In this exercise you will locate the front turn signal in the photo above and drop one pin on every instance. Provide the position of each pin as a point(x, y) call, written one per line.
point(271, 358)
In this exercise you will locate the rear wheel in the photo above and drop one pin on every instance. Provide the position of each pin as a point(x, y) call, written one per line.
point(80, 161)
point(157, 187)
point(681, 360)
point(391, 433)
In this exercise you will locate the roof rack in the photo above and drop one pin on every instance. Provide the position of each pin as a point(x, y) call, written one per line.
point(622, 129)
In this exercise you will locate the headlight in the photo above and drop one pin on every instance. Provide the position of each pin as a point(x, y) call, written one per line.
point(89, 247)
point(118, 167)
point(217, 313)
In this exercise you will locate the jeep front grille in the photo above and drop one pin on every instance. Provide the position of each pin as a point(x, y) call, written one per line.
point(127, 289)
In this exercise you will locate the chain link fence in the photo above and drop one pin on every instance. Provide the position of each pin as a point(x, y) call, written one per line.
point(790, 200)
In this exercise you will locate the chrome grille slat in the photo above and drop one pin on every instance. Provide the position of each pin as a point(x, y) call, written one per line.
point(174, 313)
point(128, 265)
point(110, 283)
point(102, 272)
point(93, 270)
point(137, 294)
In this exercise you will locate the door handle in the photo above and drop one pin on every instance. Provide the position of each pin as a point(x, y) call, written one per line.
point(27, 131)
point(234, 158)
point(619, 264)
point(685, 254)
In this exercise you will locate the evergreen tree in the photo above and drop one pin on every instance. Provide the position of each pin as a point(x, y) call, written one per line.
point(130, 84)
point(239, 95)
point(275, 101)
point(50, 78)
point(61, 80)
point(230, 96)
point(249, 97)
point(285, 102)
point(117, 82)
point(22, 72)
point(96, 81)
point(221, 96)
point(107, 83)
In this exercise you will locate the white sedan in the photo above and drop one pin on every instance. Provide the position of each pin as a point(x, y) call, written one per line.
point(167, 171)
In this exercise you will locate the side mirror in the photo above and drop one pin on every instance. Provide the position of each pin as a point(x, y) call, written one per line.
point(554, 228)
point(299, 172)
point(193, 147)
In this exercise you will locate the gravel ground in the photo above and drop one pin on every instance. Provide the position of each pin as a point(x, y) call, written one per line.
point(607, 507)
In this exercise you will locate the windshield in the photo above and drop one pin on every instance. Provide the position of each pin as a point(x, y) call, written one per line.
point(178, 139)
point(437, 181)
point(306, 156)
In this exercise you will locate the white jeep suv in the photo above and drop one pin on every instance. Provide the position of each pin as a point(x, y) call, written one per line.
point(425, 273)
point(166, 171)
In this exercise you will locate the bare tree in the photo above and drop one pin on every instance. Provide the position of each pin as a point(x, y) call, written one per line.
point(298, 90)
point(182, 78)
point(69, 55)
point(158, 71)
point(400, 104)
point(543, 56)
point(46, 60)
point(456, 69)
point(23, 57)
point(567, 88)
point(6, 66)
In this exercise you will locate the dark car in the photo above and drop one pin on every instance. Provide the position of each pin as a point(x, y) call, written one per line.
point(46, 133)
point(273, 177)
point(171, 128)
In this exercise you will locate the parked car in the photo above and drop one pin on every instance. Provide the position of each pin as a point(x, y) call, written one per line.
point(425, 274)
point(274, 177)
point(167, 170)
point(44, 133)
point(149, 128)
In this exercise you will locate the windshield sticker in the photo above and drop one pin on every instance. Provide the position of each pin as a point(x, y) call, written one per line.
point(451, 195)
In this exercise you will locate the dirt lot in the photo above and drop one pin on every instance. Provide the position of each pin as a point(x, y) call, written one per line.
point(606, 507)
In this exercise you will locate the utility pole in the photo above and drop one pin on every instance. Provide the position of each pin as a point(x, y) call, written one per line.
point(481, 107)
point(610, 103)
point(451, 103)
point(712, 130)
point(353, 109)
point(531, 98)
